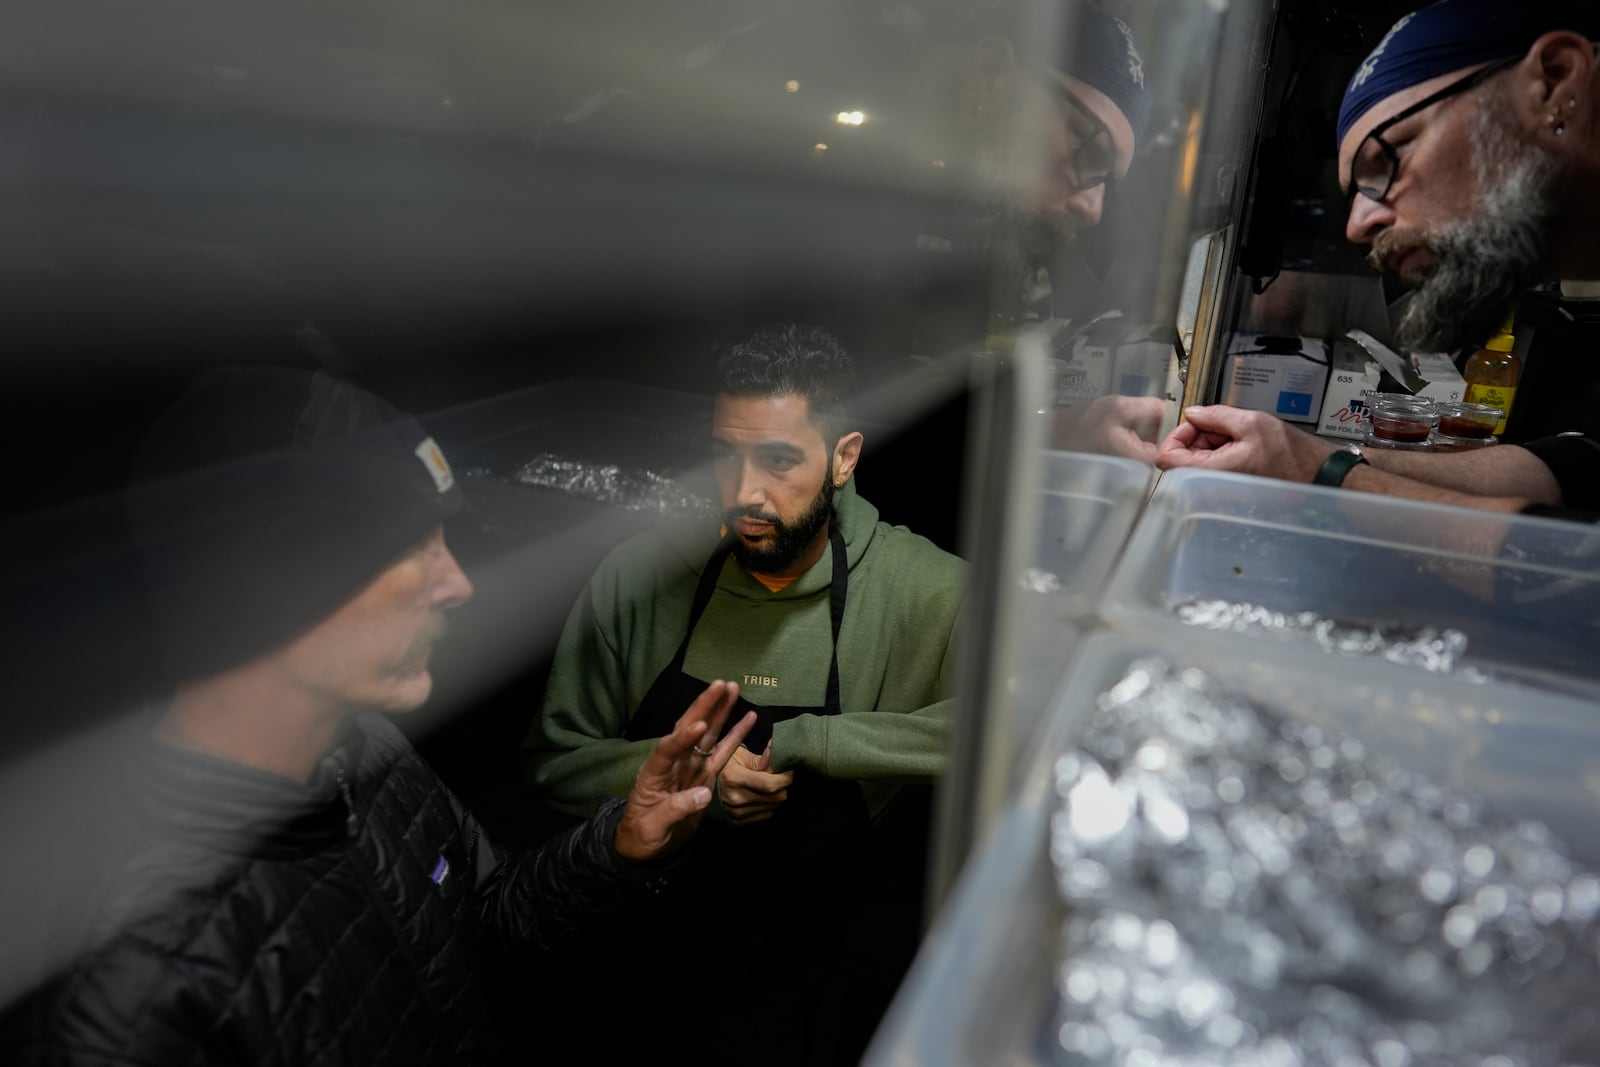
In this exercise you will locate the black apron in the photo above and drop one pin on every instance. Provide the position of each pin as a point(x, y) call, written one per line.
point(781, 891)
point(821, 816)
point(673, 691)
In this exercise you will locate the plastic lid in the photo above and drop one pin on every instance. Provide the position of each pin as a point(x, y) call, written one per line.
point(1503, 341)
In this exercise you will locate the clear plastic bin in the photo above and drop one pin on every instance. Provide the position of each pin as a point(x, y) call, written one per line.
point(1090, 505)
point(981, 991)
point(1089, 508)
point(1526, 592)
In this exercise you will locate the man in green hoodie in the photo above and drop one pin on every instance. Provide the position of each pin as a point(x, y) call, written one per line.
point(839, 629)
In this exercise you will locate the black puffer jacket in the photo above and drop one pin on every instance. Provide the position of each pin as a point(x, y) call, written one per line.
point(255, 921)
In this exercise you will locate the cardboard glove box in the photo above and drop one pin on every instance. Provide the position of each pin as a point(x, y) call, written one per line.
point(1281, 375)
point(1362, 365)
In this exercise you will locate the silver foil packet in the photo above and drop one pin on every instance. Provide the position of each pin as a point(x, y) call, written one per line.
point(1246, 888)
point(631, 488)
point(1427, 647)
point(1035, 580)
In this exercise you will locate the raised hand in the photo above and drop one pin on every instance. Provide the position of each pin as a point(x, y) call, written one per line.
point(1112, 425)
point(673, 789)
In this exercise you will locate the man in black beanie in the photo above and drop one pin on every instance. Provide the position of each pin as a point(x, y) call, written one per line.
point(293, 885)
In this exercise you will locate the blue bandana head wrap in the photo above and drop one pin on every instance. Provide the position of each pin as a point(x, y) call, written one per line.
point(1103, 56)
point(1452, 35)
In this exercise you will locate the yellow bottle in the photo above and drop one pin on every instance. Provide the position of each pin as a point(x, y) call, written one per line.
point(1492, 373)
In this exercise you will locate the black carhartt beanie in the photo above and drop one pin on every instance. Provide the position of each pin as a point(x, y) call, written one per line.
point(266, 498)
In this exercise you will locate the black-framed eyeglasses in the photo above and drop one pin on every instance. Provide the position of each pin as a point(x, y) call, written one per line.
point(1372, 172)
point(1094, 160)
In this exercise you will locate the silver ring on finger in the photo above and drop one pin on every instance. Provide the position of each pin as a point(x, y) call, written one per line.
point(698, 751)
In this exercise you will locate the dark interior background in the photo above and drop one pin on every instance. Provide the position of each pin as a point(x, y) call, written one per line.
point(448, 204)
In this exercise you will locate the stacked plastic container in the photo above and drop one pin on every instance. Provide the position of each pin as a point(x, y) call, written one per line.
point(1089, 507)
point(1525, 592)
point(1523, 733)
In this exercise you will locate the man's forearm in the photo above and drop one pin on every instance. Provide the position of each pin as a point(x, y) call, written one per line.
point(1503, 472)
point(1373, 479)
point(866, 745)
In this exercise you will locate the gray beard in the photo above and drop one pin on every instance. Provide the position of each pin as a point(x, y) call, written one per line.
point(1017, 242)
point(1484, 263)
point(1017, 239)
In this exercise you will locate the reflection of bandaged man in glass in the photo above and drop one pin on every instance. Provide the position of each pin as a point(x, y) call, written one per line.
point(1052, 141)
point(1046, 146)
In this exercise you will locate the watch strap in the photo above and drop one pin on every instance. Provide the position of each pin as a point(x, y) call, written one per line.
point(1336, 468)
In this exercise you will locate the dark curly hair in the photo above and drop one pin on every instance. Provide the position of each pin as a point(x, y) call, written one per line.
point(791, 359)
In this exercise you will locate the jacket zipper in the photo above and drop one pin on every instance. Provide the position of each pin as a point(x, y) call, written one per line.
point(375, 896)
point(350, 825)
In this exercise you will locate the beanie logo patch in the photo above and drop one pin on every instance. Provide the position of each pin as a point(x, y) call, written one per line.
point(1370, 67)
point(438, 468)
point(1135, 61)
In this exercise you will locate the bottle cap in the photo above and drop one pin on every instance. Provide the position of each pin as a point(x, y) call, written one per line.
point(1504, 341)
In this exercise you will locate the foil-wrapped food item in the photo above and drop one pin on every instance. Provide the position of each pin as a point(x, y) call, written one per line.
point(1427, 647)
point(1035, 580)
point(632, 488)
point(1246, 888)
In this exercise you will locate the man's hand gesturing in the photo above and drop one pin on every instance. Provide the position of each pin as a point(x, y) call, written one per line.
point(673, 788)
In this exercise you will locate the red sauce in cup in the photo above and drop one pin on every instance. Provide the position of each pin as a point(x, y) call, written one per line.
point(1456, 426)
point(1401, 430)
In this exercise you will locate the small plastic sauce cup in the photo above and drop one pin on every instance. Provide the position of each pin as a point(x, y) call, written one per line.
point(1400, 420)
point(1460, 419)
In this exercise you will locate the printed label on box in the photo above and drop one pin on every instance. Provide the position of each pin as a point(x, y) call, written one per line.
point(1083, 377)
point(1294, 404)
point(1354, 379)
point(1289, 385)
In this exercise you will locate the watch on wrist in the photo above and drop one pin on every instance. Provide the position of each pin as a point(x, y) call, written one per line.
point(1336, 468)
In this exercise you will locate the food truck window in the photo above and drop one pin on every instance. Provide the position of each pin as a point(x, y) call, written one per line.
point(1148, 288)
point(534, 226)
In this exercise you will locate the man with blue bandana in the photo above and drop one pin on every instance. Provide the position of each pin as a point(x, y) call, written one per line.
point(1043, 146)
point(1469, 147)
point(1054, 139)
point(1078, 125)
